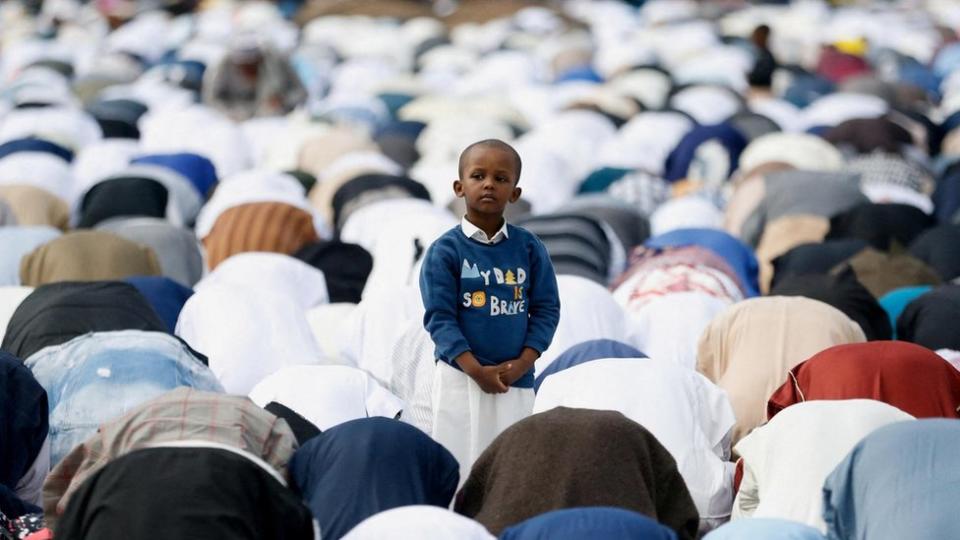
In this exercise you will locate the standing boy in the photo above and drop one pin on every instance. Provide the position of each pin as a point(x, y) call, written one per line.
point(491, 308)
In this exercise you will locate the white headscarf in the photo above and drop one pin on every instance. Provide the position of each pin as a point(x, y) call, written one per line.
point(645, 141)
point(10, 299)
point(327, 322)
point(801, 150)
point(836, 108)
point(395, 231)
point(373, 328)
point(786, 461)
point(198, 129)
point(38, 169)
point(327, 395)
point(246, 333)
point(294, 280)
point(65, 125)
point(690, 212)
point(708, 105)
point(688, 414)
point(669, 327)
point(587, 312)
point(417, 523)
point(256, 186)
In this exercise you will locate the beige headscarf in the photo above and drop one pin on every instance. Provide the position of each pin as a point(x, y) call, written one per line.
point(783, 234)
point(748, 349)
point(36, 206)
point(87, 256)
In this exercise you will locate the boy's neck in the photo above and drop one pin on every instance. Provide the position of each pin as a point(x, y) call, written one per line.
point(488, 224)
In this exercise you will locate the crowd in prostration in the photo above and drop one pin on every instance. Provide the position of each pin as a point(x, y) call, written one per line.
point(215, 217)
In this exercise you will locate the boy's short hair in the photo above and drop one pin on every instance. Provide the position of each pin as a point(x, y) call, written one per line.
point(491, 143)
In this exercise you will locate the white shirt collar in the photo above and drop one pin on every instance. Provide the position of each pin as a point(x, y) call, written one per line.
point(472, 231)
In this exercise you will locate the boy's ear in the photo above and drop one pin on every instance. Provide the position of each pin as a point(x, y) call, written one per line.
point(458, 188)
point(515, 196)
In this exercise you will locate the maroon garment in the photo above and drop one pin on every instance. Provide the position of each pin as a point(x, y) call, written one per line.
point(912, 378)
point(838, 66)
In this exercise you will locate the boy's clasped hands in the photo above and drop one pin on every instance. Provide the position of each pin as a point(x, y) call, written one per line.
point(497, 379)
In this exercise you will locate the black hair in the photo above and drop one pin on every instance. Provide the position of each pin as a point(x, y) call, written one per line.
point(493, 143)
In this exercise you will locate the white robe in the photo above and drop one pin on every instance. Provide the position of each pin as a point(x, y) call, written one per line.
point(327, 395)
point(786, 461)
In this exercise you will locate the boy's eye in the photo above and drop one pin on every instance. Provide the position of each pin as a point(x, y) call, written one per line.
point(476, 175)
point(501, 179)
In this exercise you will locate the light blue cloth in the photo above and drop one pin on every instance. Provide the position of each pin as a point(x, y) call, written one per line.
point(17, 242)
point(737, 254)
point(100, 376)
point(765, 529)
point(895, 301)
point(901, 481)
point(593, 523)
point(595, 349)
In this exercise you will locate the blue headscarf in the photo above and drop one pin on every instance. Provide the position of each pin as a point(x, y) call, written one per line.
point(592, 523)
point(737, 254)
point(35, 145)
point(362, 467)
point(595, 349)
point(23, 429)
point(165, 295)
point(901, 481)
point(679, 161)
point(765, 529)
point(197, 169)
point(895, 301)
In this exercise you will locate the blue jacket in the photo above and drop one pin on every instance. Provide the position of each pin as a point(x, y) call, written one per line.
point(493, 300)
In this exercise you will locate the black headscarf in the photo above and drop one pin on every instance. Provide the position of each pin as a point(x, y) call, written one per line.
point(864, 135)
point(568, 458)
point(931, 319)
point(58, 312)
point(815, 258)
point(124, 196)
point(881, 224)
point(23, 429)
point(843, 292)
point(345, 267)
point(939, 247)
point(184, 493)
point(362, 467)
point(302, 428)
point(118, 118)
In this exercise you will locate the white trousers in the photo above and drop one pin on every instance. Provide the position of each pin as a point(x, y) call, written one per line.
point(466, 419)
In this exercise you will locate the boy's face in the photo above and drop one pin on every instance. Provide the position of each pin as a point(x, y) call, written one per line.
point(488, 181)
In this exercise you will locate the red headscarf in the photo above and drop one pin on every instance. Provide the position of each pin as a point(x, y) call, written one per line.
point(907, 376)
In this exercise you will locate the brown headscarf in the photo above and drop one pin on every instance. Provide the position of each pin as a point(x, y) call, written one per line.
point(263, 226)
point(566, 458)
point(87, 256)
point(882, 272)
point(749, 349)
point(36, 206)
